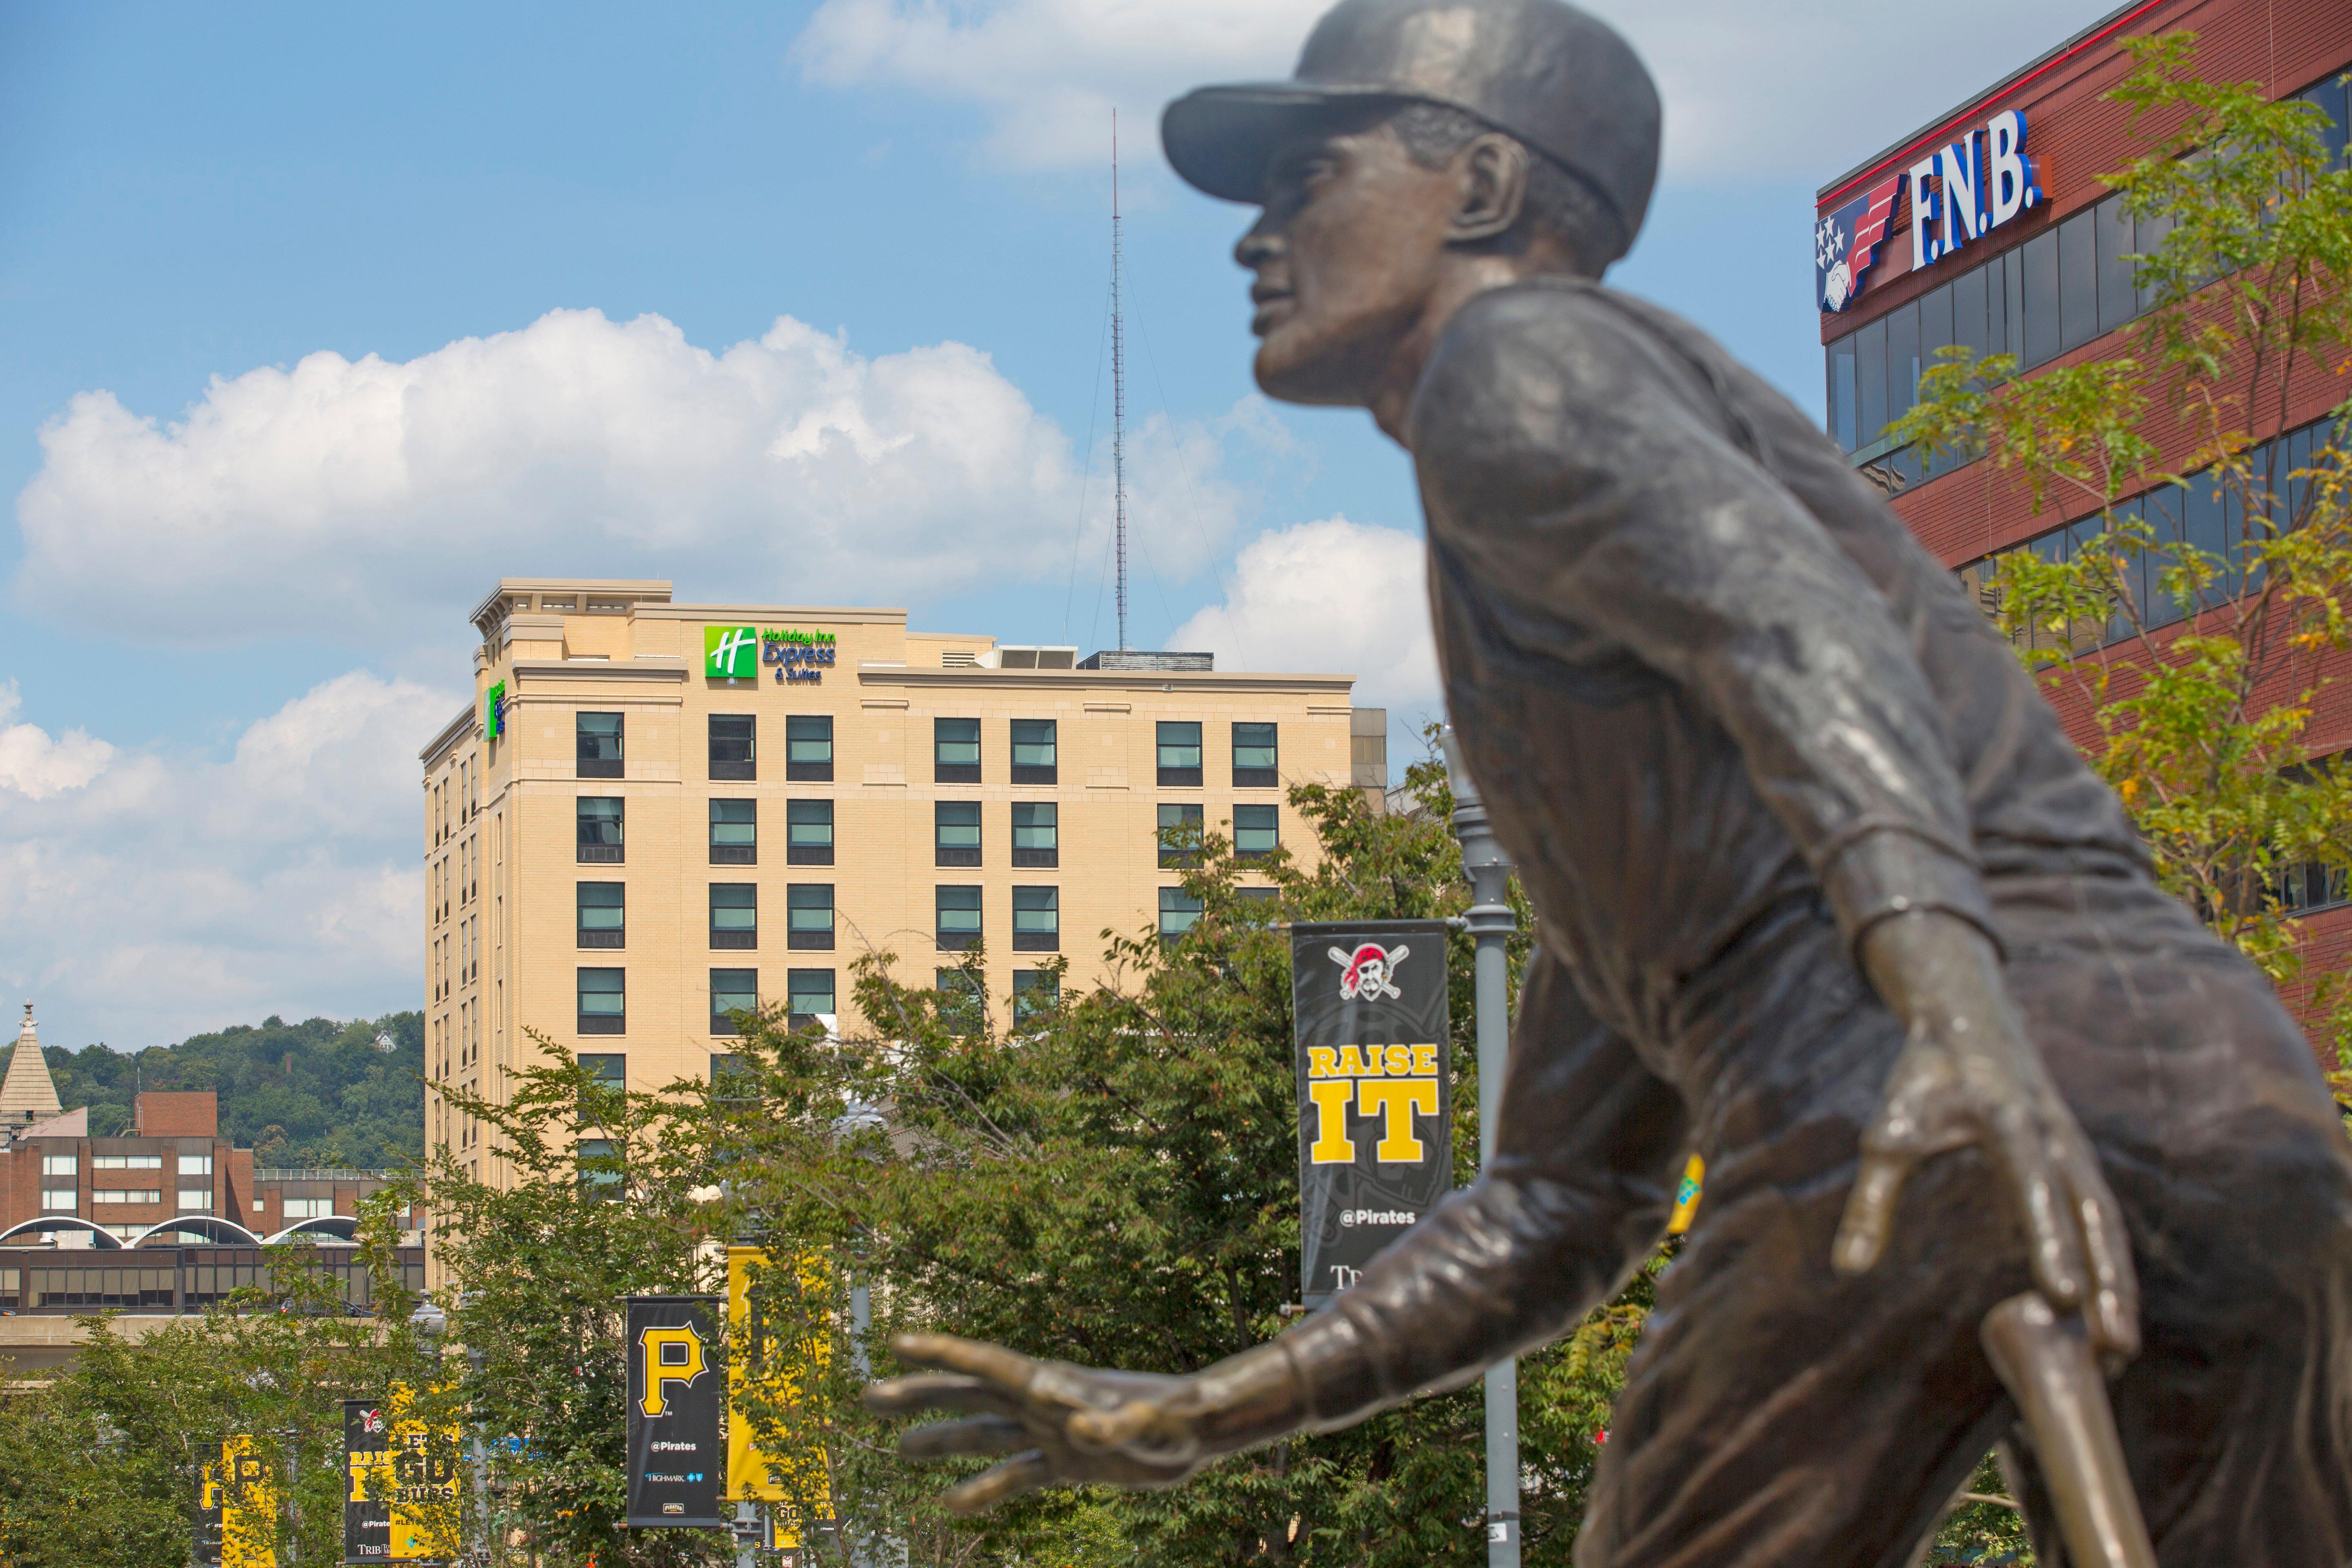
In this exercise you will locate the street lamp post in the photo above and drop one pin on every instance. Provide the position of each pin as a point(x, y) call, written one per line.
point(1491, 923)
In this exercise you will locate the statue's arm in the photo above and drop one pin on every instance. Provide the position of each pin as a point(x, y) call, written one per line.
point(1588, 1153)
point(1590, 1145)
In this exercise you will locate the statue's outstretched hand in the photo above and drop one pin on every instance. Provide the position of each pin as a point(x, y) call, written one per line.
point(1058, 1423)
point(1968, 1076)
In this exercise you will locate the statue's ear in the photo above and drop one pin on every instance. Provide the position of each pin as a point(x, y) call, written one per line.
point(1493, 174)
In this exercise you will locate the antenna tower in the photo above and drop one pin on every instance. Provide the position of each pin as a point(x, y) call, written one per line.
point(1118, 390)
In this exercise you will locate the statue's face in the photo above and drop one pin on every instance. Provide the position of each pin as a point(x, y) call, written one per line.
point(1347, 254)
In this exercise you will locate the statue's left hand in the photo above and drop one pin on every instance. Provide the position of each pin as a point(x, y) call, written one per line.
point(1059, 1423)
point(1967, 1075)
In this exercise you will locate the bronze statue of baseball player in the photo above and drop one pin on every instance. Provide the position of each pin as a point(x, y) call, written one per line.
point(1824, 894)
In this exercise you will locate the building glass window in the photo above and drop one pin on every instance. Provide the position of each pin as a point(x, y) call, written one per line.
point(64, 1198)
point(955, 832)
point(1970, 326)
point(1256, 760)
point(732, 991)
point(602, 914)
point(808, 916)
point(127, 1195)
point(60, 1165)
point(600, 829)
point(1901, 360)
point(603, 1002)
point(307, 1208)
point(1843, 412)
point(808, 747)
point(1035, 751)
point(196, 1164)
point(1177, 912)
point(963, 1006)
point(958, 916)
point(2078, 280)
point(599, 737)
point(734, 914)
point(2118, 299)
point(808, 832)
point(598, 1162)
point(1870, 373)
point(1179, 754)
point(808, 994)
point(1255, 831)
point(2045, 336)
point(1036, 920)
point(608, 1070)
point(734, 832)
point(955, 751)
point(1179, 832)
point(731, 746)
point(195, 1199)
point(1037, 833)
point(1035, 992)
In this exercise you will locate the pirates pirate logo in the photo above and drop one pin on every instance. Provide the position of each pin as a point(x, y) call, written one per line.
point(1846, 242)
point(1365, 975)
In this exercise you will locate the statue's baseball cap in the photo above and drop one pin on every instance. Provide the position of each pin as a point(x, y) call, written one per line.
point(1559, 79)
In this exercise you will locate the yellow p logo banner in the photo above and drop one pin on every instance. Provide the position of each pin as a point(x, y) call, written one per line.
point(672, 1355)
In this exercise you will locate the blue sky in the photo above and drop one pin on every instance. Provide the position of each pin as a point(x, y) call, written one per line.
point(223, 643)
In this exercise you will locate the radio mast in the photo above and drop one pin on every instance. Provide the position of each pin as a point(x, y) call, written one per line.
point(1118, 390)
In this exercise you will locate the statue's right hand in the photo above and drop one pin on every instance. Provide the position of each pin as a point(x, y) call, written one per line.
point(1060, 1424)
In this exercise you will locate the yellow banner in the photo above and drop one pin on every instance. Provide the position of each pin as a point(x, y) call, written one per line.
point(245, 1489)
point(402, 1479)
point(753, 1474)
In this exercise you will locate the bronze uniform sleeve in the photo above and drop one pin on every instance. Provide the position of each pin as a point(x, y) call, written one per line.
point(1581, 480)
point(1587, 1156)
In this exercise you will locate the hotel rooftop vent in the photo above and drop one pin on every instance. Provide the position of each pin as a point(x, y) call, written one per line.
point(1137, 659)
point(1031, 659)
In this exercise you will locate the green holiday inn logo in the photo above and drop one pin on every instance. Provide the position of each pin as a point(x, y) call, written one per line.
point(730, 653)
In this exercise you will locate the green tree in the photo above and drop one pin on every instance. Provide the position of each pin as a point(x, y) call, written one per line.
point(100, 1462)
point(2206, 733)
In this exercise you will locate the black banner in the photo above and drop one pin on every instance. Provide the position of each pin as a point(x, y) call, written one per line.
point(676, 1390)
point(1375, 1091)
point(400, 1487)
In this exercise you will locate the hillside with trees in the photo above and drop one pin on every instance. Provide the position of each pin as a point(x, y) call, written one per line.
point(315, 1093)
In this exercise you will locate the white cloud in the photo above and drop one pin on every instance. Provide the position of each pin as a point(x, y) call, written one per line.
point(1331, 595)
point(37, 766)
point(361, 500)
point(164, 893)
point(1802, 88)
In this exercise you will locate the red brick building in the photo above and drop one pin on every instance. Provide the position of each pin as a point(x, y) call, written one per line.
point(2032, 261)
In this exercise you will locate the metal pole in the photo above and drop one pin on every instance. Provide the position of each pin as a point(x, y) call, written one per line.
point(1491, 923)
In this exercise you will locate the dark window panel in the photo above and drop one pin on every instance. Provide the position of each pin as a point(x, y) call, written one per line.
point(1178, 754)
point(1257, 831)
point(1842, 406)
point(2045, 340)
point(1035, 992)
point(1936, 329)
point(957, 917)
point(1177, 912)
point(1179, 832)
point(602, 916)
point(1037, 833)
point(732, 991)
point(598, 736)
point(807, 992)
point(2118, 302)
point(955, 751)
point(808, 747)
point(1036, 750)
point(599, 829)
point(955, 832)
point(1902, 360)
point(732, 756)
point(1256, 756)
point(603, 1002)
point(808, 916)
point(734, 914)
point(1036, 920)
point(2147, 239)
point(2078, 280)
point(2205, 527)
point(1969, 328)
point(2011, 309)
point(734, 832)
point(808, 830)
point(1870, 374)
point(2329, 96)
